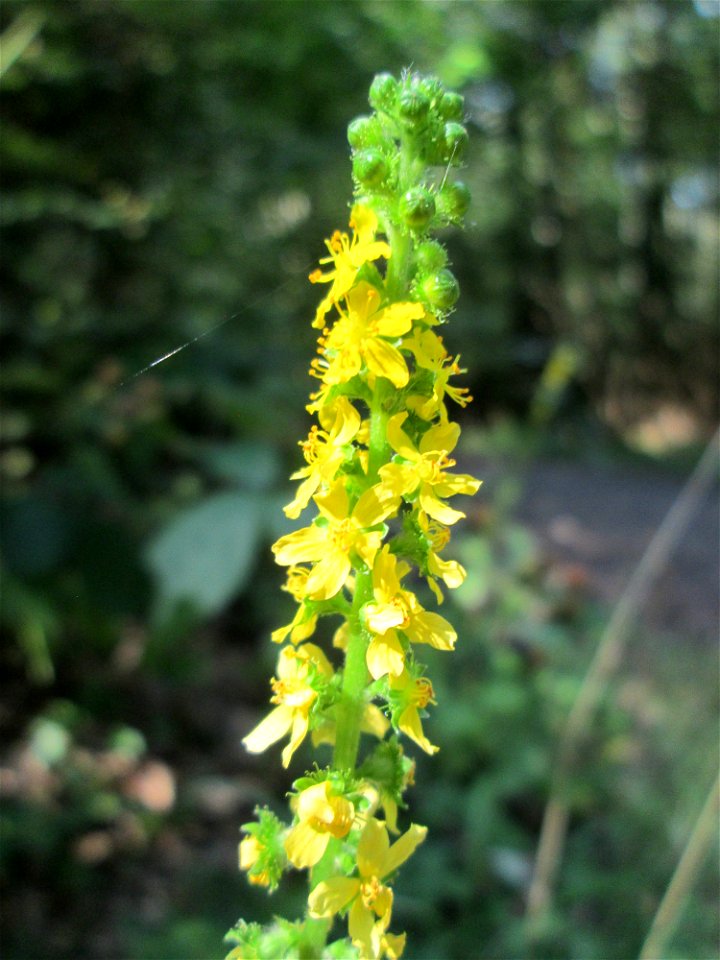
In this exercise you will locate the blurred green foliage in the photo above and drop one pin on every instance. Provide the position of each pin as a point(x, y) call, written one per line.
point(169, 172)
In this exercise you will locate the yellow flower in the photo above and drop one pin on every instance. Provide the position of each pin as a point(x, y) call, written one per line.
point(304, 622)
point(324, 452)
point(397, 609)
point(347, 256)
point(371, 899)
point(430, 353)
point(358, 339)
point(249, 852)
point(321, 815)
point(413, 694)
point(294, 693)
point(422, 470)
point(450, 571)
point(332, 539)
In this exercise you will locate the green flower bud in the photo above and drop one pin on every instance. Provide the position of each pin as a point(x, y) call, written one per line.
point(430, 256)
point(456, 140)
point(369, 167)
point(364, 132)
point(431, 87)
point(413, 108)
point(441, 290)
point(451, 106)
point(453, 201)
point(383, 92)
point(417, 207)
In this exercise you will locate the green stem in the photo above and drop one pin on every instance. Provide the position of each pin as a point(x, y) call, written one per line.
point(355, 674)
point(396, 280)
point(355, 678)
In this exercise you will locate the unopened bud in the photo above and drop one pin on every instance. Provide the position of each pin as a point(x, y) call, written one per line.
point(441, 290)
point(413, 108)
point(456, 140)
point(417, 208)
point(430, 257)
point(451, 106)
point(369, 167)
point(383, 92)
point(453, 201)
point(364, 132)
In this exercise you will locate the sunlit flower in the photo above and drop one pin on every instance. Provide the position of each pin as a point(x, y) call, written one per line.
point(422, 470)
point(430, 354)
point(347, 256)
point(339, 533)
point(370, 900)
point(360, 338)
point(325, 451)
point(303, 624)
point(321, 814)
point(451, 572)
point(249, 854)
point(301, 671)
point(409, 696)
point(396, 609)
point(261, 852)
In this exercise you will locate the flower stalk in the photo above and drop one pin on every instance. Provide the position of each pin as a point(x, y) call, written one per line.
point(378, 474)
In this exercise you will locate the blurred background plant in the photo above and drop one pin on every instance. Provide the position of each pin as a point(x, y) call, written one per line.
point(169, 172)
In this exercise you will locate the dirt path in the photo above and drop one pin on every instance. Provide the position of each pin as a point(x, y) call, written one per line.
point(603, 518)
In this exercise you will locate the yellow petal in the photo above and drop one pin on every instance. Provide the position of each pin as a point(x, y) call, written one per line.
point(411, 726)
point(299, 730)
point(383, 617)
point(448, 570)
point(457, 483)
point(360, 928)
point(334, 503)
point(302, 497)
point(436, 508)
point(248, 852)
point(347, 422)
point(398, 439)
point(306, 544)
point(385, 360)
point(385, 655)
point(431, 628)
point(372, 849)
point(397, 319)
point(332, 895)
point(363, 221)
point(375, 505)
point(386, 575)
point(275, 725)
point(313, 802)
point(394, 944)
point(399, 478)
point(443, 436)
point(328, 576)
point(403, 848)
point(305, 846)
point(374, 721)
point(368, 545)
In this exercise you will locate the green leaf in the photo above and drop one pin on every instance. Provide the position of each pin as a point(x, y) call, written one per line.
point(253, 465)
point(205, 555)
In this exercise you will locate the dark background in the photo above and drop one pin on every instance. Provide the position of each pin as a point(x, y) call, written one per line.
point(170, 170)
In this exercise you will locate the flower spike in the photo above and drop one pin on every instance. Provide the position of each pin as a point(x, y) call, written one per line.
point(378, 475)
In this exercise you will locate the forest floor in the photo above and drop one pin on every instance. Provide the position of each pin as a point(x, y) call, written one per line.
point(602, 518)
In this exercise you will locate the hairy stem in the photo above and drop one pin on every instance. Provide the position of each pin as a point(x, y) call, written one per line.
point(355, 677)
